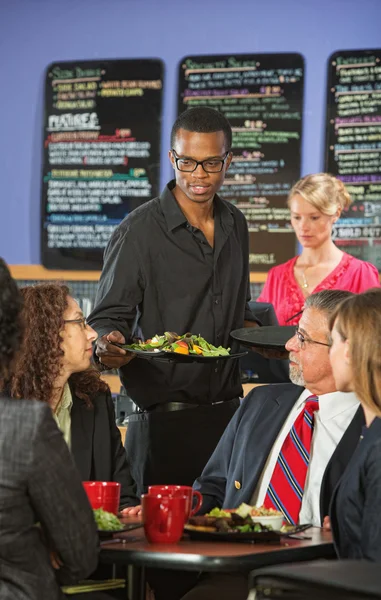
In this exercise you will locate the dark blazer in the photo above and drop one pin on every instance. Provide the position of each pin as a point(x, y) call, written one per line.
point(40, 484)
point(97, 447)
point(240, 456)
point(355, 508)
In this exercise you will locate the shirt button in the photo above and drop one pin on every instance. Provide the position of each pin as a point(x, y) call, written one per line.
point(216, 302)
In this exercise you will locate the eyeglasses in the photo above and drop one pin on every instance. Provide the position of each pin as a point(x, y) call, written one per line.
point(82, 321)
point(302, 339)
point(210, 165)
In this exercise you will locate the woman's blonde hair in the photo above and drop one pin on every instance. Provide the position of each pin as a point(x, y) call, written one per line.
point(326, 193)
point(358, 320)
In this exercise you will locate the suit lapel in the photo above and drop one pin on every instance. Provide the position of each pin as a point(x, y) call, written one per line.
point(262, 436)
point(82, 430)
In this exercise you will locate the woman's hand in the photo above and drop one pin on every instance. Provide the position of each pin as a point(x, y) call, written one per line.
point(55, 560)
point(132, 511)
point(327, 523)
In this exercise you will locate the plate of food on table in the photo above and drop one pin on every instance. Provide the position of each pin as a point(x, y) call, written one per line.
point(243, 524)
point(179, 348)
point(108, 523)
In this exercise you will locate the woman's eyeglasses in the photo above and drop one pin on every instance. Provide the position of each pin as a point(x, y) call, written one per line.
point(82, 321)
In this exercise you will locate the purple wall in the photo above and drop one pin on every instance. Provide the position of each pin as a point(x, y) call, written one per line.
point(34, 33)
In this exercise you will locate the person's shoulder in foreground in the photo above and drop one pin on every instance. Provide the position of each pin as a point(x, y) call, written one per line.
point(43, 506)
point(45, 488)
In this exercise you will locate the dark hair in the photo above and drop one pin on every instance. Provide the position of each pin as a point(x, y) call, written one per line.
point(202, 119)
point(39, 362)
point(10, 320)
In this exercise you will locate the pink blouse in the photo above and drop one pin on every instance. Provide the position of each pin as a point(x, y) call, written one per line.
point(283, 291)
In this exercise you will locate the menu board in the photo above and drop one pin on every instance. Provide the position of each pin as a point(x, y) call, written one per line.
point(353, 148)
point(262, 97)
point(102, 128)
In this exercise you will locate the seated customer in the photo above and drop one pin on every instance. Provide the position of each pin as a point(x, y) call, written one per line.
point(245, 466)
point(54, 366)
point(242, 467)
point(356, 364)
point(38, 484)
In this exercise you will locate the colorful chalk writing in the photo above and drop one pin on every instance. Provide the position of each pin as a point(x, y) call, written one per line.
point(101, 154)
point(353, 147)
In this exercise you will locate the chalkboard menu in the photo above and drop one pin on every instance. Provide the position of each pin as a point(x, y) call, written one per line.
point(353, 148)
point(102, 130)
point(262, 97)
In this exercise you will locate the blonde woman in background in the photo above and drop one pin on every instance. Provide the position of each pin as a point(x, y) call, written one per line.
point(316, 203)
point(356, 365)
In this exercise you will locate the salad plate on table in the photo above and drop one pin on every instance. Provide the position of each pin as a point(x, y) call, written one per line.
point(244, 524)
point(108, 523)
point(185, 348)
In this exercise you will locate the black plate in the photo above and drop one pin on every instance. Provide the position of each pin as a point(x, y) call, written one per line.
point(128, 527)
point(272, 337)
point(184, 358)
point(252, 536)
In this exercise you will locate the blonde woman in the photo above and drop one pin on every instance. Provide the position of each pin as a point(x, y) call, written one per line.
point(316, 203)
point(356, 364)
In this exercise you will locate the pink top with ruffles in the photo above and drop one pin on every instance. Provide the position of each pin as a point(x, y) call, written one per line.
point(283, 291)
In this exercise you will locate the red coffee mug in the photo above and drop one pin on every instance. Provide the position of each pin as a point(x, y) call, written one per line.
point(163, 518)
point(180, 490)
point(103, 494)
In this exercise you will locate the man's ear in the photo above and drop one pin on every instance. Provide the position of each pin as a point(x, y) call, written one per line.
point(172, 160)
point(228, 160)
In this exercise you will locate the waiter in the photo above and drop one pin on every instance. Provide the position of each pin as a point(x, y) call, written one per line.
point(178, 263)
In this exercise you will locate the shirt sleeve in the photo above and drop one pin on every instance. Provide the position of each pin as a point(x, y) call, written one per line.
point(60, 503)
point(121, 286)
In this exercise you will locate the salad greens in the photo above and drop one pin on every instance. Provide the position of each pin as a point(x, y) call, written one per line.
point(180, 344)
point(106, 521)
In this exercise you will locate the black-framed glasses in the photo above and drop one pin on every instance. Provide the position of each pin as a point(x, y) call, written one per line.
point(80, 321)
point(302, 339)
point(210, 165)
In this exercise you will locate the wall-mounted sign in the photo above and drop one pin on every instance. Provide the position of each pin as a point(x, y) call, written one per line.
point(262, 97)
point(102, 130)
point(353, 148)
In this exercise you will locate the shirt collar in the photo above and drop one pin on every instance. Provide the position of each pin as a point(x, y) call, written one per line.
point(332, 404)
point(175, 217)
point(66, 400)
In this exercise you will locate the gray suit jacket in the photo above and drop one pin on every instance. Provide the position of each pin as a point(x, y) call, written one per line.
point(42, 506)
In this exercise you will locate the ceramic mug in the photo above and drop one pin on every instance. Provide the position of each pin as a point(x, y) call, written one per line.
point(163, 517)
point(180, 490)
point(103, 494)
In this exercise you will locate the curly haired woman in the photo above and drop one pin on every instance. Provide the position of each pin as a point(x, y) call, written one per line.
point(54, 366)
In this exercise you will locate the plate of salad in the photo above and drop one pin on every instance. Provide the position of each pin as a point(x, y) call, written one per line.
point(239, 525)
point(180, 348)
point(108, 523)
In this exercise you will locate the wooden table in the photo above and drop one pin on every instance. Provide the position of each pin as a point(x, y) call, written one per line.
point(134, 550)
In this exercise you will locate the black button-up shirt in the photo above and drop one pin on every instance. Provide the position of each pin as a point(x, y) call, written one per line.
point(160, 274)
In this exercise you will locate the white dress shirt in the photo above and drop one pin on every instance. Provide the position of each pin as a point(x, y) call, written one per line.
point(336, 411)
